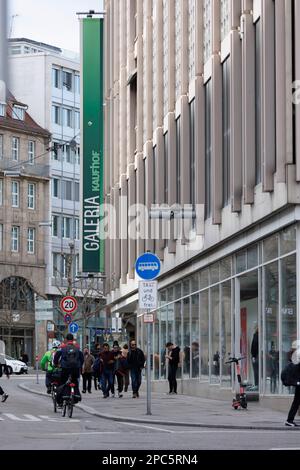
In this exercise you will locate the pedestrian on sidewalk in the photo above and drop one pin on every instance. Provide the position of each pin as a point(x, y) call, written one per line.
point(125, 351)
point(294, 356)
point(173, 358)
point(107, 359)
point(136, 362)
point(87, 370)
point(118, 368)
point(3, 368)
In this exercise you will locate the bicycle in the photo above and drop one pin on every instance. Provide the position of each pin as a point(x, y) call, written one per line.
point(240, 400)
point(69, 400)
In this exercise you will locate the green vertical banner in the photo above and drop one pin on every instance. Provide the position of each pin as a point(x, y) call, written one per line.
point(92, 145)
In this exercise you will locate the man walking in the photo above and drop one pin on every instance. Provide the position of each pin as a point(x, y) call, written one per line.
point(87, 370)
point(136, 362)
point(173, 358)
point(107, 359)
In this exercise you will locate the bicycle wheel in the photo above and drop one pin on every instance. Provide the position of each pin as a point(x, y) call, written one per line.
point(70, 407)
point(64, 409)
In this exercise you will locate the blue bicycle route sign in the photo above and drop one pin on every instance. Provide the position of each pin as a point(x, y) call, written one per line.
point(73, 328)
point(147, 266)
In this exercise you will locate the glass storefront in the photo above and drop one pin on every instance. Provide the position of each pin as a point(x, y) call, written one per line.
point(251, 293)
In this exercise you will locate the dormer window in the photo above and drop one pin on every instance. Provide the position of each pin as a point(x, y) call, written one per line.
point(19, 113)
point(2, 109)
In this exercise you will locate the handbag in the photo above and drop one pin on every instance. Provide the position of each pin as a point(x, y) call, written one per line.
point(290, 375)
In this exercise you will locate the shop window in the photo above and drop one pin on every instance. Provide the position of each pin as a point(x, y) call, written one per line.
point(226, 344)
point(186, 287)
point(186, 337)
point(288, 309)
point(241, 262)
point(270, 248)
point(204, 331)
point(178, 326)
point(288, 240)
point(271, 328)
point(214, 337)
point(170, 294)
point(225, 268)
point(195, 332)
point(252, 257)
point(204, 278)
point(178, 293)
point(214, 273)
point(195, 282)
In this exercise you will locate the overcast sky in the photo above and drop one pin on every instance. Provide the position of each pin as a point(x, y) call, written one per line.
point(51, 21)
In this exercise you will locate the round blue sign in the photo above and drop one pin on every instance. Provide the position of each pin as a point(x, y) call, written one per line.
point(147, 266)
point(73, 328)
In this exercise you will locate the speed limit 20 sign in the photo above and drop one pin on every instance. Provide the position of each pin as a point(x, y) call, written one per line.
point(68, 304)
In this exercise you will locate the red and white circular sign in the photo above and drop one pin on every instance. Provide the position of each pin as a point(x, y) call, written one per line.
point(68, 304)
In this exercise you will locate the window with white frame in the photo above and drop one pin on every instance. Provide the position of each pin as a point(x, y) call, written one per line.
point(56, 114)
point(56, 78)
point(31, 240)
point(77, 119)
point(54, 224)
point(2, 109)
point(77, 84)
point(67, 190)
point(31, 151)
point(178, 41)
point(67, 119)
point(55, 266)
point(31, 196)
point(1, 192)
point(1, 146)
point(76, 191)
point(207, 11)
point(15, 146)
point(192, 37)
point(76, 229)
point(64, 269)
point(18, 113)
point(15, 239)
point(1, 237)
point(67, 80)
point(66, 228)
point(68, 154)
point(225, 18)
point(15, 193)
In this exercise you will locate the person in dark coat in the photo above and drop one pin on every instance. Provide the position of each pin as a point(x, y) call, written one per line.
point(294, 357)
point(254, 355)
point(3, 369)
point(136, 362)
point(173, 357)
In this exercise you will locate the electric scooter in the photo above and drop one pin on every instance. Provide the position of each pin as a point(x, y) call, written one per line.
point(240, 400)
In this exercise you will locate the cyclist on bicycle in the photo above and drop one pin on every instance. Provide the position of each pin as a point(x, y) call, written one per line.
point(47, 363)
point(71, 360)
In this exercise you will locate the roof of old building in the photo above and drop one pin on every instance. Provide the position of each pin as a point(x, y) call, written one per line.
point(28, 126)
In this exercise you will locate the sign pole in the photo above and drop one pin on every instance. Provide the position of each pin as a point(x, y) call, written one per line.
point(148, 368)
point(36, 352)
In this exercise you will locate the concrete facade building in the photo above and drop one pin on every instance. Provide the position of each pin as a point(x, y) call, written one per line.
point(24, 205)
point(201, 111)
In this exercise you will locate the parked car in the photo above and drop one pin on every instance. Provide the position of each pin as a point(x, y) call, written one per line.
point(15, 366)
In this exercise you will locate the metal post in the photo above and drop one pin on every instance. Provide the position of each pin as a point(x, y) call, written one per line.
point(36, 352)
point(148, 369)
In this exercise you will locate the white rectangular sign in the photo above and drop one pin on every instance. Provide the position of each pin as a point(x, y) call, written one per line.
point(148, 295)
point(44, 315)
point(148, 318)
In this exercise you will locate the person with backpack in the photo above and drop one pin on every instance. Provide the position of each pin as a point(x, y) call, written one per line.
point(48, 365)
point(71, 361)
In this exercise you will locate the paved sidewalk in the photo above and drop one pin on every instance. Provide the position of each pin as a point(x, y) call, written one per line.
point(180, 410)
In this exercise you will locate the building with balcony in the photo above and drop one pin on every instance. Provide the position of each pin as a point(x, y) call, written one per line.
point(201, 113)
point(24, 241)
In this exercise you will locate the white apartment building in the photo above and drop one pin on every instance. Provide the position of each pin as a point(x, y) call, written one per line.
point(200, 111)
point(48, 80)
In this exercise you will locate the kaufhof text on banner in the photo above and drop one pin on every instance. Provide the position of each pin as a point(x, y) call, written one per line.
point(92, 144)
